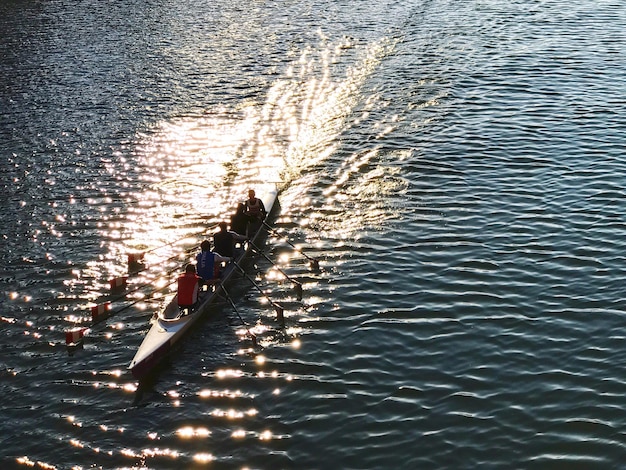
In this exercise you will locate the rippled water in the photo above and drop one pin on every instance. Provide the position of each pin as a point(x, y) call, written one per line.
point(456, 166)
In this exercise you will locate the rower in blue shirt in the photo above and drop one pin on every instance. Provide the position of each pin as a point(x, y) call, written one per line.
point(208, 263)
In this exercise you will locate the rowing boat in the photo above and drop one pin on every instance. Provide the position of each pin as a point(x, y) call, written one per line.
point(171, 323)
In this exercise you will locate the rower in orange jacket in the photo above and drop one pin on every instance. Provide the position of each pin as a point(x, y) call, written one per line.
point(188, 286)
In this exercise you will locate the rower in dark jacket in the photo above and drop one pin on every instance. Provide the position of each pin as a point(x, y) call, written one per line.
point(239, 220)
point(225, 240)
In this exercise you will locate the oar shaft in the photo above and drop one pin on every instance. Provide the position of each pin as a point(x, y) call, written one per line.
point(314, 262)
point(278, 308)
point(258, 250)
point(141, 286)
point(214, 227)
point(297, 284)
point(230, 300)
point(126, 307)
point(252, 281)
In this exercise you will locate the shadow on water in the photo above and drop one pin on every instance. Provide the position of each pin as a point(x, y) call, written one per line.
point(146, 384)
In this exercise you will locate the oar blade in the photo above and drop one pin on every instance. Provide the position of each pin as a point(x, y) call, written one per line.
point(297, 287)
point(135, 258)
point(118, 283)
point(75, 339)
point(280, 313)
point(135, 262)
point(74, 336)
point(100, 312)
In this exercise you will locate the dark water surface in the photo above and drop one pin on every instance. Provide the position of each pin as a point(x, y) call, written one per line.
point(457, 167)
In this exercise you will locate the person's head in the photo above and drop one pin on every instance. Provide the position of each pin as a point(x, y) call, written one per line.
point(223, 226)
point(241, 208)
point(205, 245)
point(190, 268)
point(251, 193)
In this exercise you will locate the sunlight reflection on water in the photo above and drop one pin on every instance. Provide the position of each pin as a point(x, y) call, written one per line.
point(165, 190)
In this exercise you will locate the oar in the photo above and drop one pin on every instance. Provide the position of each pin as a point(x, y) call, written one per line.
point(74, 337)
point(277, 307)
point(137, 264)
point(203, 232)
point(126, 307)
point(315, 264)
point(136, 257)
point(101, 312)
point(228, 297)
point(139, 287)
point(297, 284)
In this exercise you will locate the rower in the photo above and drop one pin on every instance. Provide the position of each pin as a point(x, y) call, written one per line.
point(225, 241)
point(239, 220)
point(188, 286)
point(255, 210)
point(209, 263)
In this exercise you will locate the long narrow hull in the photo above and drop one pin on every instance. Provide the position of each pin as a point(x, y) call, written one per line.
point(165, 333)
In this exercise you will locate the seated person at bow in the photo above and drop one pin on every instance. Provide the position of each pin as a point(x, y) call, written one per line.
point(188, 286)
point(225, 240)
point(209, 263)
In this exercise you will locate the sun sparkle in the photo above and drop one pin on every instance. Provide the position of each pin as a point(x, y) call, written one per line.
point(203, 458)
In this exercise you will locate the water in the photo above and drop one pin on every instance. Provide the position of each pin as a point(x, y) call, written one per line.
point(456, 167)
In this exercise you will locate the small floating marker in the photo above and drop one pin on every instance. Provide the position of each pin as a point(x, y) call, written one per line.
point(100, 312)
point(118, 282)
point(315, 265)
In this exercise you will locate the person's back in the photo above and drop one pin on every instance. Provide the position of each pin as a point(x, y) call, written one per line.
point(239, 221)
point(223, 241)
point(188, 287)
point(206, 261)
